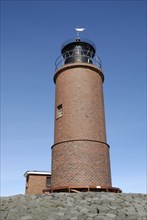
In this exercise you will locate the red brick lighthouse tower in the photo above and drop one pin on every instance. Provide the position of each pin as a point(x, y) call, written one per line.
point(80, 154)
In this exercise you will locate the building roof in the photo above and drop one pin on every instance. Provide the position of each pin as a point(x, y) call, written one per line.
point(35, 172)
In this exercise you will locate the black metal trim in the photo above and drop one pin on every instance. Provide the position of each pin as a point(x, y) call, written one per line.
point(73, 40)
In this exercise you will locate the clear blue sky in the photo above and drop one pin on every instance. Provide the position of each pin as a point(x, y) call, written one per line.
point(31, 35)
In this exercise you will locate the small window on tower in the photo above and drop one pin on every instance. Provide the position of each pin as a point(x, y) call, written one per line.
point(59, 111)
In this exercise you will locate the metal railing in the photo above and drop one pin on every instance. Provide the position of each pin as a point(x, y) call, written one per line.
point(61, 60)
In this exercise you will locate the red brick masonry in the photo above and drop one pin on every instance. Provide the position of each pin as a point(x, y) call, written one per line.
point(81, 163)
point(80, 155)
point(36, 181)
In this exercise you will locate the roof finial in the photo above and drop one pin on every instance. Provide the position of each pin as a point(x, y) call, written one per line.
point(78, 30)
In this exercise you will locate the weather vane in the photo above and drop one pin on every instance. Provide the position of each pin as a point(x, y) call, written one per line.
point(78, 30)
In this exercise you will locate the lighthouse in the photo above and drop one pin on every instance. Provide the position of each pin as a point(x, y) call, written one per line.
point(80, 154)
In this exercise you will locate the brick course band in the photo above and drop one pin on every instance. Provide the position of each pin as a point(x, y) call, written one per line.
point(80, 140)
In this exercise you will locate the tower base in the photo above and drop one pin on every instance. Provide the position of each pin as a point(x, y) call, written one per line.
point(72, 189)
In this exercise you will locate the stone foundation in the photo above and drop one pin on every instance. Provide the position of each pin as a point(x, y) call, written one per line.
point(75, 206)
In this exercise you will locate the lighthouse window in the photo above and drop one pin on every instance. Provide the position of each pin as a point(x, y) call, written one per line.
point(59, 111)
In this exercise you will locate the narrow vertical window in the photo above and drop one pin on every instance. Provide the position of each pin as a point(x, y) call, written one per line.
point(48, 181)
point(59, 111)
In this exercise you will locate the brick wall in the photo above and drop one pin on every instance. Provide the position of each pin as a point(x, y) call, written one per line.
point(79, 90)
point(84, 162)
point(35, 184)
point(80, 163)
